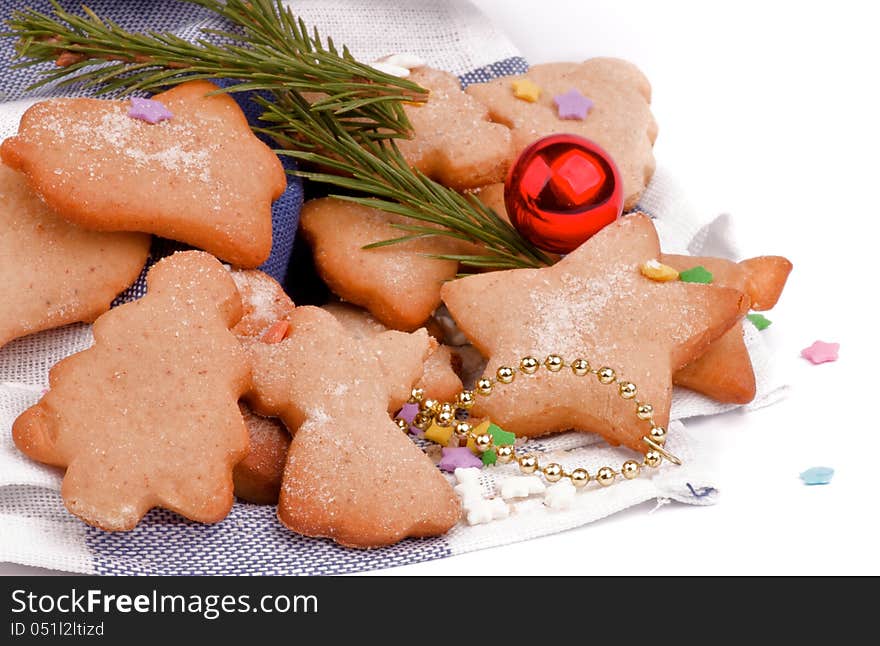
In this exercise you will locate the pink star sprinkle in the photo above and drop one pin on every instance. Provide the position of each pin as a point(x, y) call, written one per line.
point(459, 458)
point(572, 105)
point(821, 352)
point(148, 110)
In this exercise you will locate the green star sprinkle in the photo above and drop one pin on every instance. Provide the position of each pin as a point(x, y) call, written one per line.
point(760, 321)
point(500, 436)
point(698, 274)
point(489, 457)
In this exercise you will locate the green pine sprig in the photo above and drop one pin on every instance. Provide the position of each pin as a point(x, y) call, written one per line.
point(273, 50)
point(336, 115)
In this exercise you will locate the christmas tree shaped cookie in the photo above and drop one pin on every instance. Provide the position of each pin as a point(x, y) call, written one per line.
point(148, 416)
point(200, 176)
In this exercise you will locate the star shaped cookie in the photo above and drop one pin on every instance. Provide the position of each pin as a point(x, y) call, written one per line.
point(619, 119)
point(593, 304)
point(148, 416)
point(724, 371)
point(398, 284)
point(53, 273)
point(351, 474)
point(200, 177)
point(454, 142)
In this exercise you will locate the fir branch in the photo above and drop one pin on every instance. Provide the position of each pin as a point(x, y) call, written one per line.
point(329, 110)
point(378, 172)
point(274, 50)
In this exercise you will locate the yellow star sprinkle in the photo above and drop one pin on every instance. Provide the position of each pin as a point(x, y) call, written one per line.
point(481, 428)
point(439, 434)
point(659, 272)
point(526, 90)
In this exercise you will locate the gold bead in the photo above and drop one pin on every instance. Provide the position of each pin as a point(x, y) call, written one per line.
point(605, 375)
point(529, 365)
point(504, 454)
point(484, 386)
point(653, 459)
point(658, 434)
point(422, 421)
point(553, 363)
point(553, 472)
point(465, 399)
point(630, 469)
point(505, 374)
point(430, 405)
point(446, 407)
point(462, 430)
point(528, 463)
point(483, 442)
point(579, 477)
point(627, 390)
point(445, 418)
point(645, 411)
point(605, 476)
point(416, 395)
point(402, 424)
point(580, 367)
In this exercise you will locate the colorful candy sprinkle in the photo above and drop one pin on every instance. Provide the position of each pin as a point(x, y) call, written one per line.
point(821, 352)
point(526, 90)
point(408, 413)
point(560, 495)
point(485, 511)
point(572, 105)
point(439, 434)
point(656, 270)
point(149, 110)
point(500, 437)
point(817, 475)
point(698, 274)
point(458, 458)
point(760, 321)
point(521, 486)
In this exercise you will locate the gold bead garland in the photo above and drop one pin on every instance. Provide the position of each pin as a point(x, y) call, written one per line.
point(444, 414)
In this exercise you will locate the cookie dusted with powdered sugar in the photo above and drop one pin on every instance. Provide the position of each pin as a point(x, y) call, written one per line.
point(199, 176)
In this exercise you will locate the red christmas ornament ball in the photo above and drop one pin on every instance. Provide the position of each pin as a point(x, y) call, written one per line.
point(562, 190)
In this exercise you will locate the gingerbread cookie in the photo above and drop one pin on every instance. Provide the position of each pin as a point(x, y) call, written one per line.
point(266, 308)
point(148, 416)
point(53, 273)
point(264, 302)
point(399, 284)
point(454, 142)
point(439, 380)
point(200, 176)
point(724, 372)
point(351, 475)
point(257, 478)
point(606, 100)
point(596, 305)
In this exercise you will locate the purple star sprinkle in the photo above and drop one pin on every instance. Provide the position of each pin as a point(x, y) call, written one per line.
point(460, 457)
point(572, 105)
point(408, 413)
point(148, 110)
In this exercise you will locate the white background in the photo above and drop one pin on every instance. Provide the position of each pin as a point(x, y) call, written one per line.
point(768, 110)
